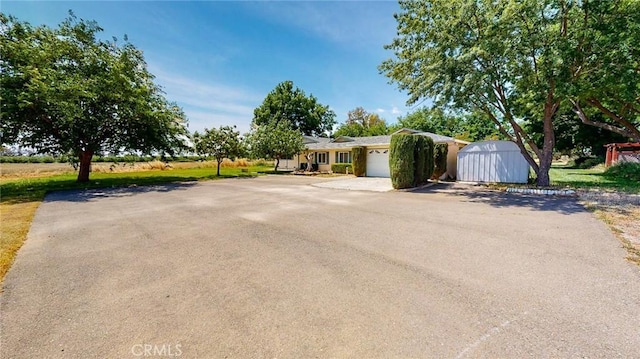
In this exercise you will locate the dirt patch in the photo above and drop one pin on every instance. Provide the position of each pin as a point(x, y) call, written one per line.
point(16, 220)
point(621, 212)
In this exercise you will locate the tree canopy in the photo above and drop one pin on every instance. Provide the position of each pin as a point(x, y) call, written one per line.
point(574, 137)
point(276, 140)
point(361, 123)
point(468, 127)
point(291, 105)
point(65, 91)
point(512, 60)
point(607, 87)
point(220, 143)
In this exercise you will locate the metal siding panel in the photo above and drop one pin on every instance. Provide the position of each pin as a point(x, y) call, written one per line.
point(463, 166)
point(505, 169)
point(492, 162)
point(502, 165)
point(482, 167)
point(512, 169)
point(473, 175)
point(462, 172)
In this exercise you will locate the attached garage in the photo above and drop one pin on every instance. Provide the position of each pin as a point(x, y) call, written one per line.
point(378, 162)
point(492, 161)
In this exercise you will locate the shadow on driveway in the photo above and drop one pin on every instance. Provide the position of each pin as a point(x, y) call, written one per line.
point(87, 195)
point(495, 198)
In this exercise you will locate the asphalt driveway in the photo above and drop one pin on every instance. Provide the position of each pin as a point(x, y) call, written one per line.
point(273, 267)
point(371, 184)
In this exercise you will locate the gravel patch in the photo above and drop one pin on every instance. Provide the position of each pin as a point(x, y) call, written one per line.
point(607, 198)
point(621, 212)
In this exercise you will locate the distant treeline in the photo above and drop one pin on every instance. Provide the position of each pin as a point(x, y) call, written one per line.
point(114, 159)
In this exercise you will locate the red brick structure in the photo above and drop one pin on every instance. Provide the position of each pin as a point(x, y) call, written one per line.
point(615, 150)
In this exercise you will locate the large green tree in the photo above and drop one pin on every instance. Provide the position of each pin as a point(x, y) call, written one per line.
point(431, 120)
point(468, 127)
point(574, 137)
point(291, 105)
point(275, 140)
point(362, 123)
point(219, 143)
point(607, 90)
point(63, 90)
point(510, 59)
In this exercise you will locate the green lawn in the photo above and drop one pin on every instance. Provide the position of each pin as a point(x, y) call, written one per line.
point(590, 178)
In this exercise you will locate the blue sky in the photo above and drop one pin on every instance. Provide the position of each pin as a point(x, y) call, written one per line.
point(219, 59)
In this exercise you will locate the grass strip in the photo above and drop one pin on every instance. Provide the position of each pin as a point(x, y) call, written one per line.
point(592, 178)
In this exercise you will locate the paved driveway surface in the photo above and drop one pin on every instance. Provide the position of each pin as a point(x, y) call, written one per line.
point(272, 267)
point(372, 184)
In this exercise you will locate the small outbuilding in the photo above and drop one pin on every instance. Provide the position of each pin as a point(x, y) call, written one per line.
point(492, 161)
point(622, 152)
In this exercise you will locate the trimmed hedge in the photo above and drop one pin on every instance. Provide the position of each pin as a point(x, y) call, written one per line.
point(402, 161)
point(429, 149)
point(359, 161)
point(420, 163)
point(341, 168)
point(440, 159)
point(411, 160)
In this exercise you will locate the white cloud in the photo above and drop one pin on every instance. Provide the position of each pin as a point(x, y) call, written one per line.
point(209, 104)
point(380, 110)
point(395, 111)
point(357, 23)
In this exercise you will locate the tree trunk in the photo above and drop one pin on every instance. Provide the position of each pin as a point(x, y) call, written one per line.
point(218, 173)
point(85, 166)
point(277, 164)
point(549, 141)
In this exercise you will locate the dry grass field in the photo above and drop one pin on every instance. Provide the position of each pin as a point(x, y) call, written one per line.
point(33, 170)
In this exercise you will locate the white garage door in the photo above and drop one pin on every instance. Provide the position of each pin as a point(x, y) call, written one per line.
point(378, 162)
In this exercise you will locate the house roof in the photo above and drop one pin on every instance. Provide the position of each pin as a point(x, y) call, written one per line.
point(346, 142)
point(435, 137)
point(311, 139)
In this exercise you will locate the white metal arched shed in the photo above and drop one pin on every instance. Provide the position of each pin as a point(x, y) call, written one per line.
point(492, 161)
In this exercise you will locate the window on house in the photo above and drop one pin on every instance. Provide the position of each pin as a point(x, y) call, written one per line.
point(344, 157)
point(322, 158)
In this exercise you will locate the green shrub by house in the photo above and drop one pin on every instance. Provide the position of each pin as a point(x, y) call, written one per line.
point(401, 160)
point(428, 167)
point(341, 168)
point(419, 155)
point(359, 161)
point(626, 170)
point(440, 159)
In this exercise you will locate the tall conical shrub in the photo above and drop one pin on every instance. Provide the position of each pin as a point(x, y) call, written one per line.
point(359, 161)
point(402, 160)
